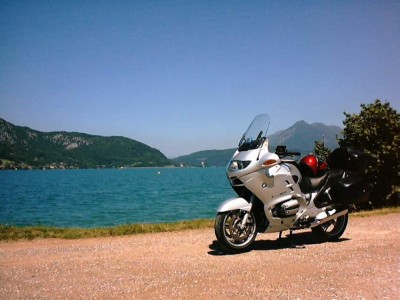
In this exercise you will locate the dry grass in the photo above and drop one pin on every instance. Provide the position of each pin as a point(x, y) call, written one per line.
point(32, 232)
point(376, 212)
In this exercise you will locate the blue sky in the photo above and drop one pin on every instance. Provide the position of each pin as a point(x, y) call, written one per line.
point(184, 76)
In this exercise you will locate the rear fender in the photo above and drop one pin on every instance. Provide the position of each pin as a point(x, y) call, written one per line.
point(234, 204)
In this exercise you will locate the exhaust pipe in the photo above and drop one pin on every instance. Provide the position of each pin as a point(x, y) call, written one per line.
point(325, 217)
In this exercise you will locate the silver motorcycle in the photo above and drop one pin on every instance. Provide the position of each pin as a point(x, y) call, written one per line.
point(277, 193)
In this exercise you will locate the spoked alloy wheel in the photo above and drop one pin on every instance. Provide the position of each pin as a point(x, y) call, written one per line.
point(333, 229)
point(232, 233)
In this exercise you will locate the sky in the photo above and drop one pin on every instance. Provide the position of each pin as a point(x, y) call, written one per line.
point(185, 76)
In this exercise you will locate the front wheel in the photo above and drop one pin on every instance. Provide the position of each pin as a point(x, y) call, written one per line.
point(333, 229)
point(232, 233)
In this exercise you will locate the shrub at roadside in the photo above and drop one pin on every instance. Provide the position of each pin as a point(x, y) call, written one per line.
point(376, 131)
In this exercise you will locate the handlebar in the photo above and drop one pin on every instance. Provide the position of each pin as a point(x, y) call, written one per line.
point(281, 151)
point(293, 153)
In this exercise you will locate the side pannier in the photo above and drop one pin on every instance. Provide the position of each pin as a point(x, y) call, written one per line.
point(350, 190)
point(348, 159)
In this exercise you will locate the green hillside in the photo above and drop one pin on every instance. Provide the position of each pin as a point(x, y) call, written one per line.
point(25, 147)
point(206, 158)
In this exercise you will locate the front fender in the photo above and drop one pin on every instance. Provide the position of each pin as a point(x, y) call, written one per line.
point(234, 204)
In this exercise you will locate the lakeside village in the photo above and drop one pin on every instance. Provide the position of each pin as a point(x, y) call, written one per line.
point(10, 165)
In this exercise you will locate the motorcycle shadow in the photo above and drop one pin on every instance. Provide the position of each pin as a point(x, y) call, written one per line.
point(297, 241)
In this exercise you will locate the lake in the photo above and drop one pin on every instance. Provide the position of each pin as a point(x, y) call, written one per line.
point(110, 197)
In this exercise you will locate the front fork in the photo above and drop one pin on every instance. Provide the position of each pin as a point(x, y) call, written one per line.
point(244, 221)
point(247, 214)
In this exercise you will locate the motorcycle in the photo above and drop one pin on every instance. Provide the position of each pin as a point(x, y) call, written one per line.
point(277, 193)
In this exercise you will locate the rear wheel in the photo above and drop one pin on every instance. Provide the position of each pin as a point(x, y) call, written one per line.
point(232, 233)
point(333, 229)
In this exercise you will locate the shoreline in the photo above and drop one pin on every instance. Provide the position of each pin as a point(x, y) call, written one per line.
point(12, 233)
point(110, 168)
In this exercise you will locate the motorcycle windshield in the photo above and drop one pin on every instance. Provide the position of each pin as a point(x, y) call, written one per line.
point(256, 134)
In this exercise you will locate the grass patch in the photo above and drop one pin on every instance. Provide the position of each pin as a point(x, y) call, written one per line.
point(12, 233)
point(8, 233)
point(376, 212)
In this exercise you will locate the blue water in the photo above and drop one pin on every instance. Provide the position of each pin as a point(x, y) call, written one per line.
point(98, 198)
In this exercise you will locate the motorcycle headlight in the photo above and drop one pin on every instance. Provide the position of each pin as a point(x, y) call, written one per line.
point(238, 165)
point(233, 166)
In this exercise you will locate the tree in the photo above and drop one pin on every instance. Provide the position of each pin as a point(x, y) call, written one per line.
point(321, 151)
point(376, 131)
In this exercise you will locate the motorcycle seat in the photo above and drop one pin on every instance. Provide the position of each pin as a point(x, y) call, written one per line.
point(318, 182)
point(310, 184)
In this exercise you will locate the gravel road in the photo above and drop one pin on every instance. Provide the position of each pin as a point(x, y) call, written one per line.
point(364, 264)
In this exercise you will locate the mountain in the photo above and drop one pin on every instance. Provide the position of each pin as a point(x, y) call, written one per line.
point(27, 147)
point(23, 147)
point(299, 137)
point(206, 158)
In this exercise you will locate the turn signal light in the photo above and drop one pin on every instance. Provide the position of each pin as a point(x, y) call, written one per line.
point(269, 162)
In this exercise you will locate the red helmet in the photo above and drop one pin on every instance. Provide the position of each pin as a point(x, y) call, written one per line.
point(323, 166)
point(309, 165)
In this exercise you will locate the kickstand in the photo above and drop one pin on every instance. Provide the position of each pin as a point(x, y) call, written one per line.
point(280, 238)
point(292, 245)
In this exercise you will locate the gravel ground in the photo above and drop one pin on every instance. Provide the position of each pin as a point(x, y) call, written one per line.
point(364, 264)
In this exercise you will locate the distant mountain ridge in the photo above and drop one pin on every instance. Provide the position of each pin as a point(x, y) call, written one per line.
point(298, 137)
point(205, 158)
point(31, 148)
point(27, 147)
point(301, 136)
